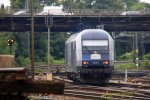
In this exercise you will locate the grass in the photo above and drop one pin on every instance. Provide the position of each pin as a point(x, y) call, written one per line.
point(127, 66)
point(54, 62)
point(131, 66)
point(59, 62)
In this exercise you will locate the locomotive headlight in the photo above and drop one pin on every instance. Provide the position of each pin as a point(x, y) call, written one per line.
point(85, 62)
point(106, 62)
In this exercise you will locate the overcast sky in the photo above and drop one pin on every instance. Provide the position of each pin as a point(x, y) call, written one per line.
point(148, 1)
point(7, 2)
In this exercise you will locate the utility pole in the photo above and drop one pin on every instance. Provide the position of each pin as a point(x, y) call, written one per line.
point(136, 51)
point(48, 45)
point(49, 22)
point(32, 32)
point(27, 5)
point(29, 49)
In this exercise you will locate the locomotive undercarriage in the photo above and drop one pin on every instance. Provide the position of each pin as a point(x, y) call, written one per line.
point(91, 76)
point(95, 76)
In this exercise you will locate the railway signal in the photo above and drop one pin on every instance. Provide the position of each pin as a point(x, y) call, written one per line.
point(10, 43)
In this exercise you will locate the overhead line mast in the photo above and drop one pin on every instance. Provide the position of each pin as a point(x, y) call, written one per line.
point(32, 32)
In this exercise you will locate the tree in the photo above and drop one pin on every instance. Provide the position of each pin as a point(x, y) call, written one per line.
point(129, 3)
point(17, 4)
point(75, 4)
point(107, 4)
point(58, 44)
point(41, 47)
point(47, 2)
point(138, 6)
point(23, 48)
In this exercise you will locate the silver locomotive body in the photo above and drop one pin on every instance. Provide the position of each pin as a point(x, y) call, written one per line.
point(89, 56)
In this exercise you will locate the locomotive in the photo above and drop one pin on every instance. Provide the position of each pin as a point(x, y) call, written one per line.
point(89, 56)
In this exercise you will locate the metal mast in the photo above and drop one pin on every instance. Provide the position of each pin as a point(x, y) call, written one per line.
point(32, 32)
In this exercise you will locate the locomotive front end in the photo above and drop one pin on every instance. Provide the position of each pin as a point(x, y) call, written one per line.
point(96, 57)
point(95, 53)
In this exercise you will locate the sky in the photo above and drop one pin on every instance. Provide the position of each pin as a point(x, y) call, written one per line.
point(147, 1)
point(7, 2)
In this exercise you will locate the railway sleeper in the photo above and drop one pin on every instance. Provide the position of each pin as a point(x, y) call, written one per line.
point(99, 96)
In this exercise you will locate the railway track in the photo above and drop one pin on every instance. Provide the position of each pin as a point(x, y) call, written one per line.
point(144, 79)
point(116, 89)
point(61, 68)
point(133, 76)
point(111, 91)
point(138, 80)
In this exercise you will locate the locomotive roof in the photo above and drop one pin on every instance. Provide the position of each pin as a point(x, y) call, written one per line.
point(71, 38)
point(94, 32)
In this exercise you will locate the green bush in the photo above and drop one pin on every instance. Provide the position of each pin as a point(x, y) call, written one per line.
point(51, 59)
point(126, 56)
point(127, 66)
point(146, 56)
point(56, 61)
point(59, 62)
point(22, 62)
point(146, 64)
point(26, 61)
